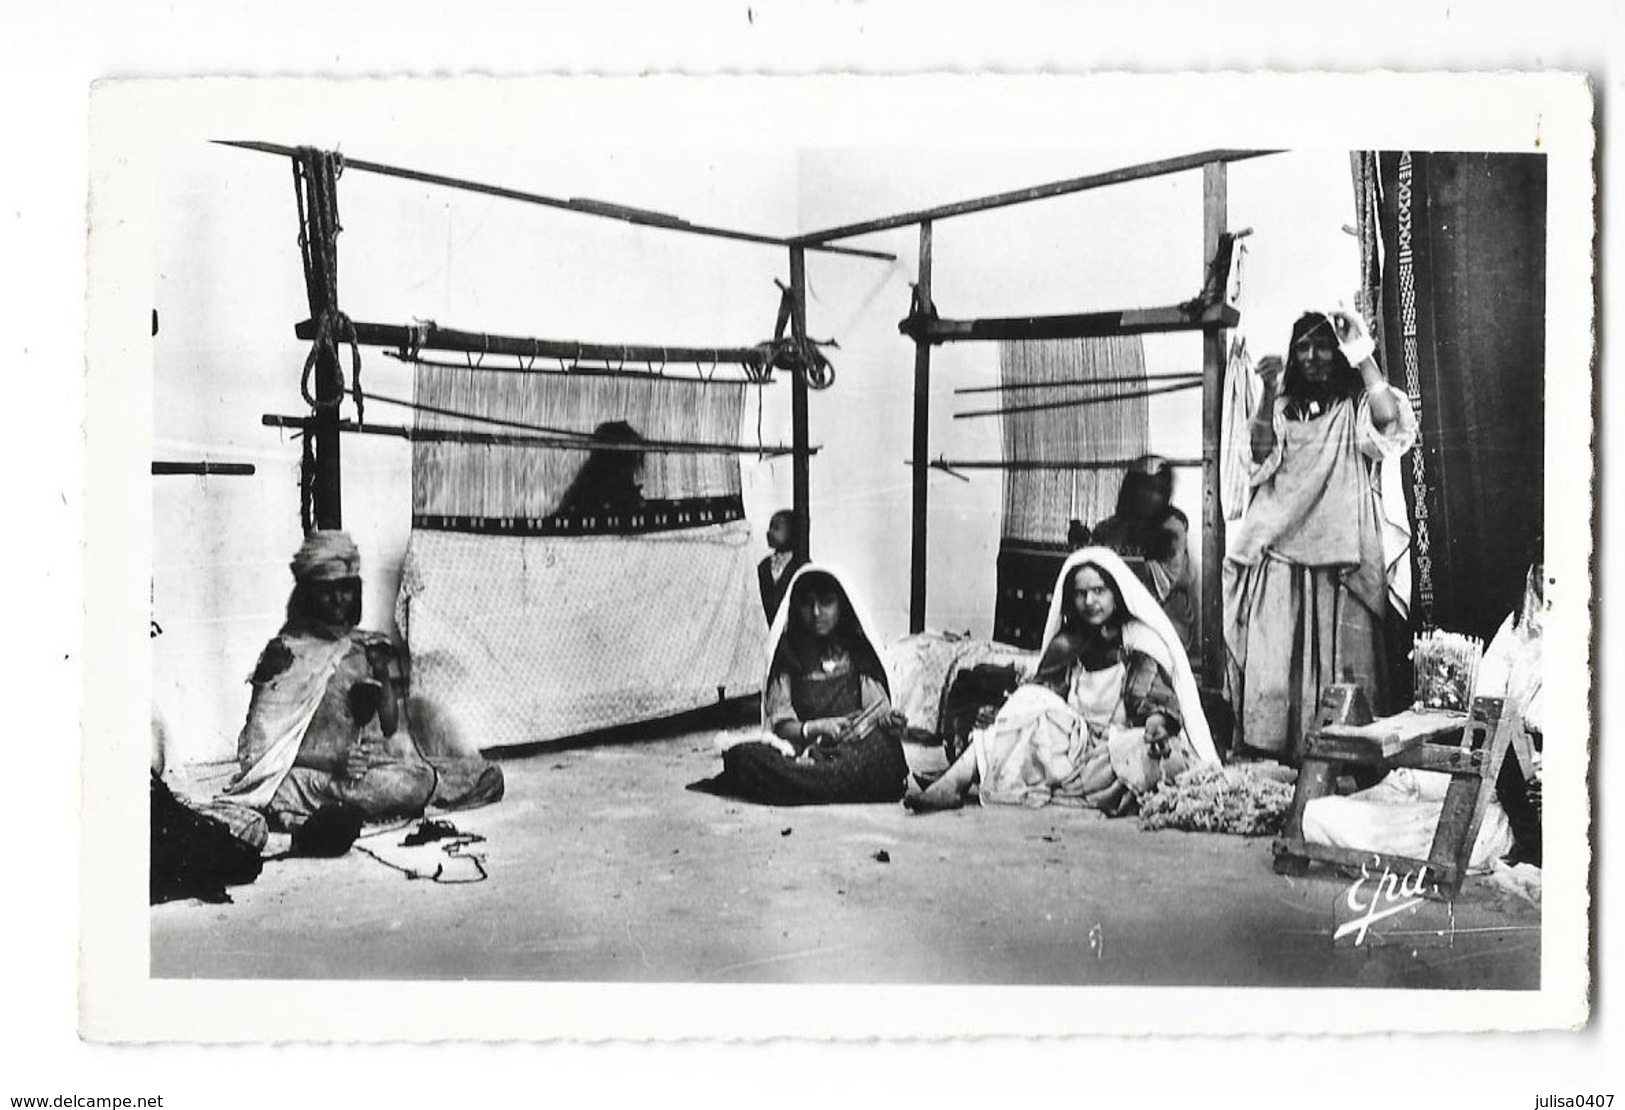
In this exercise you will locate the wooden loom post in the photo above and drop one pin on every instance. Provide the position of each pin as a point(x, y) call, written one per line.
point(1215, 205)
point(798, 406)
point(326, 483)
point(922, 443)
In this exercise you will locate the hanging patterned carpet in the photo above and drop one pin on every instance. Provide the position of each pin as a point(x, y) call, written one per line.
point(550, 591)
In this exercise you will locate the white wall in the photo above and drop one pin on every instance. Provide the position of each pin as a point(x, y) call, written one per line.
point(228, 289)
point(1127, 246)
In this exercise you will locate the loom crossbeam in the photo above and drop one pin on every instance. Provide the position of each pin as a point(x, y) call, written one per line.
point(1045, 464)
point(624, 213)
point(1083, 325)
point(234, 470)
point(432, 337)
point(1119, 176)
point(583, 442)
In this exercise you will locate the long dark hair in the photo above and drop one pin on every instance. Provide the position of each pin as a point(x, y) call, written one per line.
point(796, 650)
point(1074, 624)
point(1144, 505)
point(1345, 381)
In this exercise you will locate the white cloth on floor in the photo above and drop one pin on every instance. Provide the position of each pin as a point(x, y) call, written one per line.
point(923, 667)
point(1399, 816)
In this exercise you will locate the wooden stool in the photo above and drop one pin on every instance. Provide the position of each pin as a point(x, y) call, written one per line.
point(1470, 750)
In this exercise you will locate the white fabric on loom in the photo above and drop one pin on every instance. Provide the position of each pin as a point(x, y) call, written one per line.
point(1240, 400)
point(1039, 503)
point(538, 638)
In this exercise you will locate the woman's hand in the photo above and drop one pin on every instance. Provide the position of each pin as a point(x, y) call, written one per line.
point(1261, 429)
point(380, 656)
point(896, 719)
point(828, 729)
point(1353, 336)
point(1156, 735)
point(363, 756)
point(1269, 370)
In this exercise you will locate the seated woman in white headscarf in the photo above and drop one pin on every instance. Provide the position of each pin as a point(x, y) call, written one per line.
point(830, 733)
point(324, 719)
point(1111, 712)
point(1399, 815)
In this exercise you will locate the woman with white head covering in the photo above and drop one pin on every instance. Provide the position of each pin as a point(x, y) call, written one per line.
point(830, 733)
point(1112, 711)
point(323, 720)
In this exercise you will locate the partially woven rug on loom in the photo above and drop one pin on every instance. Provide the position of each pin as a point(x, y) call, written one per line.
point(526, 639)
point(553, 590)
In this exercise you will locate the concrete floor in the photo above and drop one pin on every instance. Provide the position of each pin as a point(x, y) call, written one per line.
point(603, 867)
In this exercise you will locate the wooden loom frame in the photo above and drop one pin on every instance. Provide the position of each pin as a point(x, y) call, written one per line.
point(323, 427)
point(1209, 315)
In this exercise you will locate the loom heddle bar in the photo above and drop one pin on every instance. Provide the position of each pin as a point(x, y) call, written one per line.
point(540, 442)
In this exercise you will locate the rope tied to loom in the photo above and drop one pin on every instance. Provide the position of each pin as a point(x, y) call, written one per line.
point(315, 186)
point(794, 353)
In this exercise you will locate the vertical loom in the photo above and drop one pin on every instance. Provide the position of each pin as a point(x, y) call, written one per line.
point(315, 185)
point(1209, 313)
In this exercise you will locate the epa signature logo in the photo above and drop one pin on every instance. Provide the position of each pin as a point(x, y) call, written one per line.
point(1374, 898)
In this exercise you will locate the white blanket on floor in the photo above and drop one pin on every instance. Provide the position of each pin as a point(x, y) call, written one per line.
point(1398, 817)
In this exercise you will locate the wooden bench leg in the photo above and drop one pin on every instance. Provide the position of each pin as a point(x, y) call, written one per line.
point(1316, 779)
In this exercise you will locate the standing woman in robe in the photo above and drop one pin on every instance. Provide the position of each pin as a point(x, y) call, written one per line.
point(830, 733)
point(1307, 571)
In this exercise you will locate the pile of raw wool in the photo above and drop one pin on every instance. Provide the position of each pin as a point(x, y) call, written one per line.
point(1244, 800)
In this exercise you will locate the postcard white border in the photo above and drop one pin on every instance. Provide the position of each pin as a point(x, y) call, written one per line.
point(134, 124)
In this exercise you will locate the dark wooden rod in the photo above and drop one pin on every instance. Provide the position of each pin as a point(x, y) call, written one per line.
point(1115, 379)
point(236, 470)
point(1031, 193)
point(585, 206)
point(513, 439)
point(1215, 352)
point(800, 471)
point(578, 371)
point(1045, 464)
point(921, 504)
point(1079, 402)
point(432, 337)
point(1084, 325)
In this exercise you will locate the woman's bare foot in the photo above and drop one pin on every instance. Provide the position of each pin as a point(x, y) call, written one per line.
point(1127, 806)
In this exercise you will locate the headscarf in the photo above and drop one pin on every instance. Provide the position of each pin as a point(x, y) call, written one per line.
point(326, 556)
point(865, 659)
point(1345, 380)
point(1144, 506)
point(1146, 629)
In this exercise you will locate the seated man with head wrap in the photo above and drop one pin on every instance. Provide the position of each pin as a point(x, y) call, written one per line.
point(323, 724)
